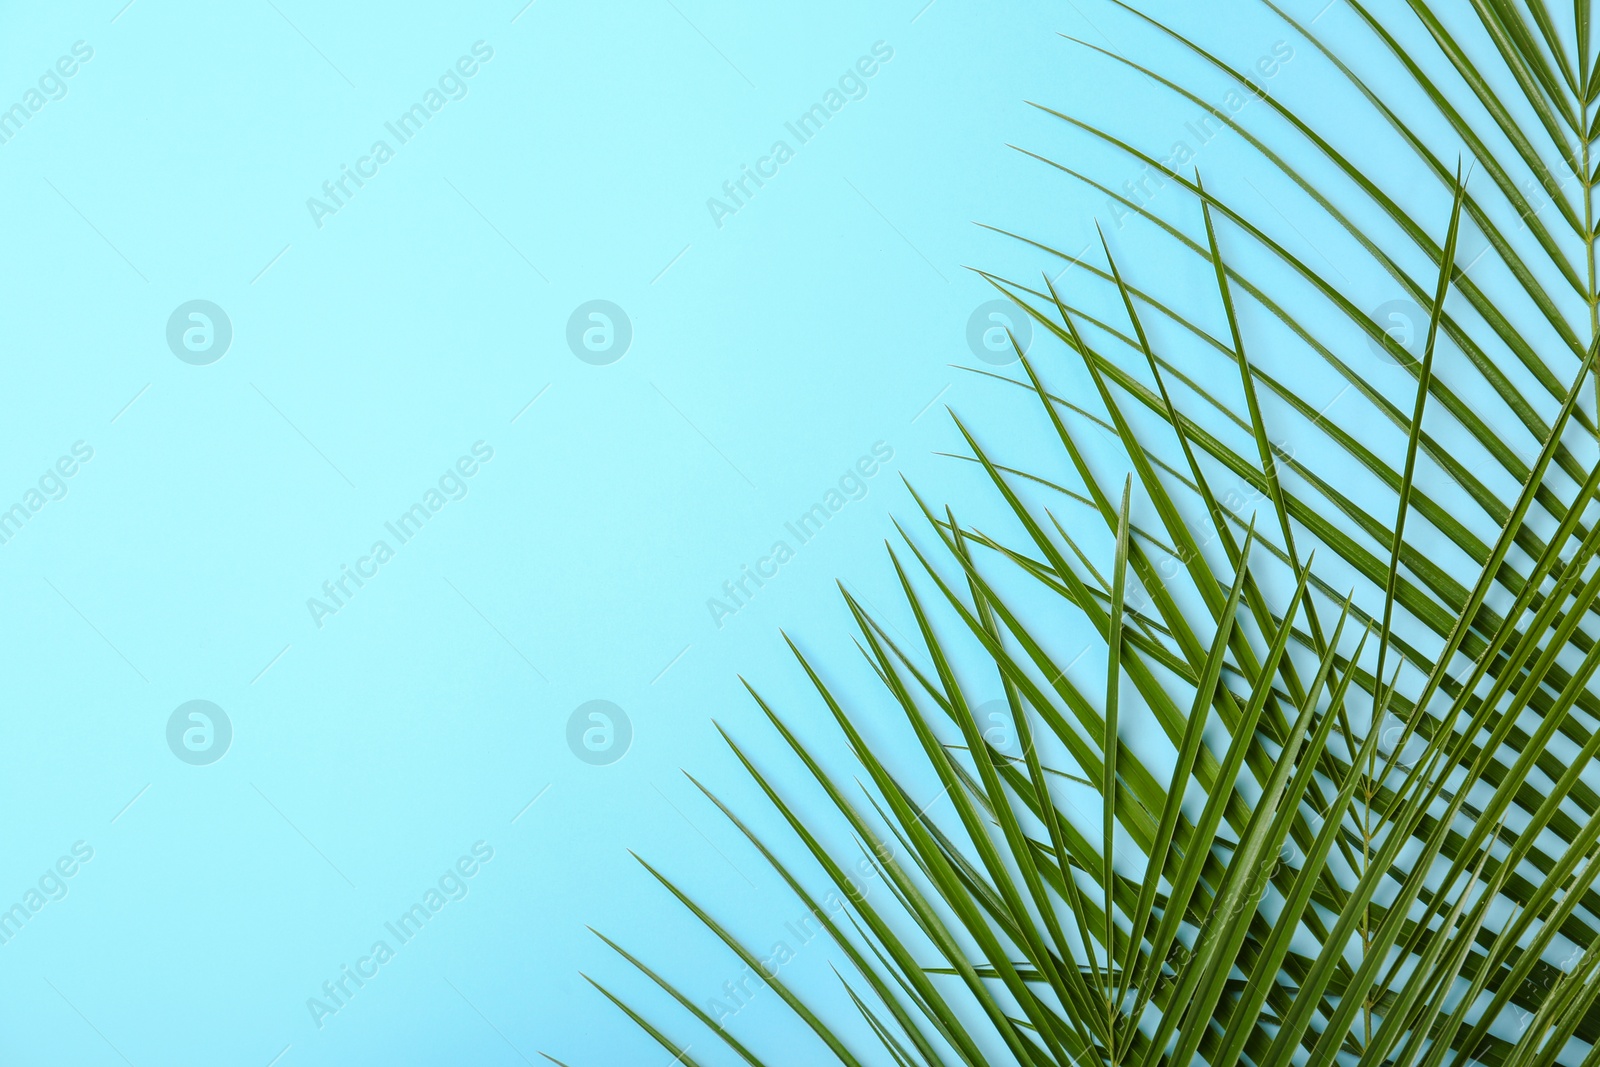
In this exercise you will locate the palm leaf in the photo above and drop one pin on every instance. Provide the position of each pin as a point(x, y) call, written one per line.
point(1296, 883)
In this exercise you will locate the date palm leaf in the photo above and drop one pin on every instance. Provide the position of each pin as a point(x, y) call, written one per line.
point(1323, 792)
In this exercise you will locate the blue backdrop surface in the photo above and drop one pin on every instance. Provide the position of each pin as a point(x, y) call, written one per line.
point(416, 417)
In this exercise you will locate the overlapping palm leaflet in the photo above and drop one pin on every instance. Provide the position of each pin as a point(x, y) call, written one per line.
point(1307, 884)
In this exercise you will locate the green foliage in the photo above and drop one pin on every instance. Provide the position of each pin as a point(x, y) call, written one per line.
point(1305, 884)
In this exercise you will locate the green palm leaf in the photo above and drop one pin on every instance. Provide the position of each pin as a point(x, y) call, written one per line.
point(1373, 834)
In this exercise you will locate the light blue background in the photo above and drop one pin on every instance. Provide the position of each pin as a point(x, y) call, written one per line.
point(768, 355)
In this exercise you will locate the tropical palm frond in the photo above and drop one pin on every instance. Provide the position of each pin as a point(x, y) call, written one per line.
point(1370, 833)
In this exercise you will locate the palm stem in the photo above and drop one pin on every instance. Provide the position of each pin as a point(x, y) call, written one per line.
point(1201, 971)
point(1593, 293)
